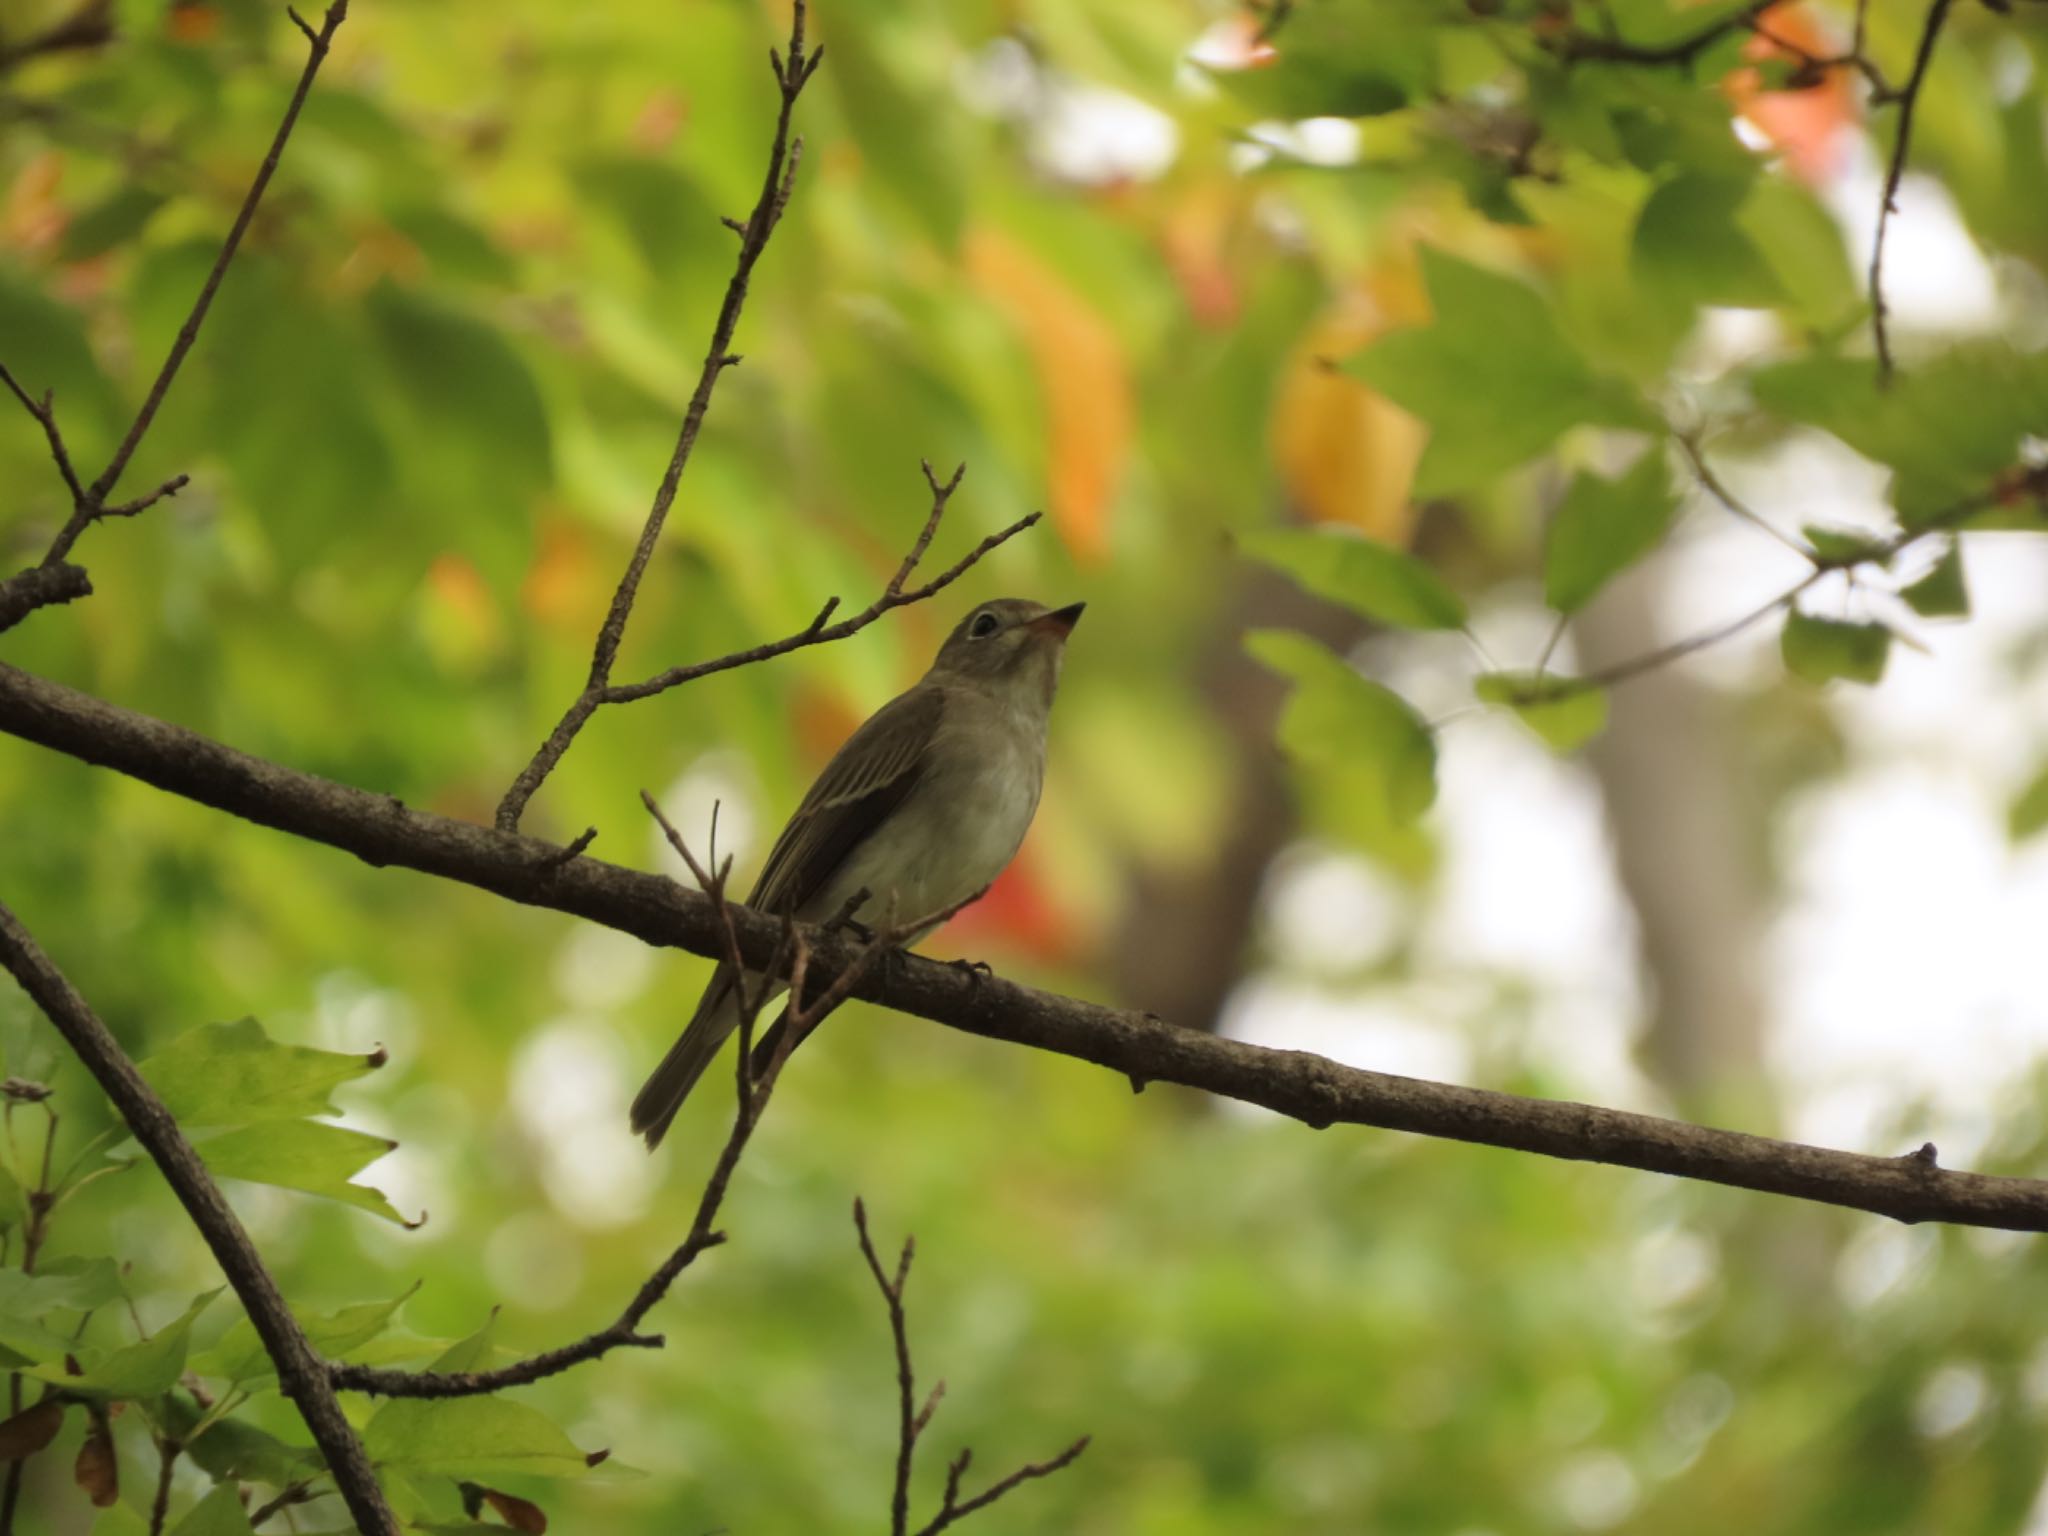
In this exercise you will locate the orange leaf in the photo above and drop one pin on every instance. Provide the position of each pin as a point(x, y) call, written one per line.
point(1083, 377)
point(562, 586)
point(1019, 913)
point(1193, 236)
point(1808, 125)
point(193, 23)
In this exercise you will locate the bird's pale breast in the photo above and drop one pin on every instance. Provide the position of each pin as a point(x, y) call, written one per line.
point(959, 828)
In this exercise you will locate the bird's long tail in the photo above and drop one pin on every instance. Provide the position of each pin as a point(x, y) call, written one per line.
point(717, 1016)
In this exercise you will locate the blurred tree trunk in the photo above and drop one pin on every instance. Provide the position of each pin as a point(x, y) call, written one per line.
point(1181, 943)
point(1686, 853)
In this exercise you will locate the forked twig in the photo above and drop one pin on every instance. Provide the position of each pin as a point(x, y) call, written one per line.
point(913, 1421)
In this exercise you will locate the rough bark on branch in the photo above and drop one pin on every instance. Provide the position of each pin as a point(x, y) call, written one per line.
point(383, 831)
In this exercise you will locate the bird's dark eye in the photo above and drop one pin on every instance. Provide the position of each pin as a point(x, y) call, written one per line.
point(983, 626)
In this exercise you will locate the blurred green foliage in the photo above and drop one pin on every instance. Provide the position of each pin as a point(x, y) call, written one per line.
point(424, 423)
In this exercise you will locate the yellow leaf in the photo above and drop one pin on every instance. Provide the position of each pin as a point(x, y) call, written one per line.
point(1345, 452)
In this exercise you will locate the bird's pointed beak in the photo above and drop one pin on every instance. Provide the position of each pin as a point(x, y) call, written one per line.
point(1059, 623)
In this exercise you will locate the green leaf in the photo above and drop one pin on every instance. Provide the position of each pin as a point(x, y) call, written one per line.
point(1566, 713)
point(1845, 546)
point(1604, 526)
point(116, 220)
point(471, 1353)
point(481, 430)
point(1941, 593)
point(1803, 244)
point(240, 1356)
point(1689, 246)
point(473, 1437)
point(1821, 650)
point(229, 1448)
point(64, 1285)
point(1363, 574)
point(1948, 425)
point(1494, 377)
point(235, 1074)
point(1337, 719)
point(2029, 812)
point(305, 1155)
point(220, 1513)
point(138, 1370)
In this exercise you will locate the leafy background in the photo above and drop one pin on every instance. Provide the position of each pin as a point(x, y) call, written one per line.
point(1227, 316)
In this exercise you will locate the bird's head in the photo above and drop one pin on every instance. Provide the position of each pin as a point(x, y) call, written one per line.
point(1009, 643)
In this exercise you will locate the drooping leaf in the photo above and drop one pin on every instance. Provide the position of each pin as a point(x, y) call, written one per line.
point(305, 1155)
point(1494, 377)
point(1361, 573)
point(135, 1370)
point(472, 1352)
point(1602, 527)
point(1821, 650)
point(470, 1437)
point(1340, 720)
point(1565, 713)
point(235, 1074)
point(95, 1470)
point(28, 1431)
point(520, 1514)
point(220, 1513)
point(1942, 592)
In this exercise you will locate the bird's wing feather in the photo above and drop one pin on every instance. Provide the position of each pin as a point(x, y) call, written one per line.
point(867, 779)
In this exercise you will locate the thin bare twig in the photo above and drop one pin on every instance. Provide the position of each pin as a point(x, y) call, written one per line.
point(912, 1421)
point(909, 1423)
point(776, 183)
point(1711, 483)
point(299, 1368)
point(818, 632)
point(292, 1493)
point(188, 333)
point(2023, 482)
point(167, 1450)
point(21, 595)
point(1909, 100)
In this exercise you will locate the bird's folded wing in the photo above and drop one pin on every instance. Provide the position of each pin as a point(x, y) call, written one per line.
point(867, 779)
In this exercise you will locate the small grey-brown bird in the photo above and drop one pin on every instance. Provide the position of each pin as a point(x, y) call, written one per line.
point(924, 806)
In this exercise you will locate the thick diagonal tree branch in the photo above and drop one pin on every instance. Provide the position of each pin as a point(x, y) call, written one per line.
point(383, 831)
point(300, 1371)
